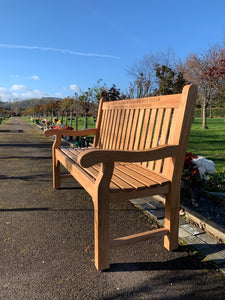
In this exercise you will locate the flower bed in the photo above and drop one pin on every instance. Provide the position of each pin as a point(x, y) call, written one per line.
point(199, 175)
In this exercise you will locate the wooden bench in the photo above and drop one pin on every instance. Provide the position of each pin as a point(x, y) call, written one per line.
point(138, 151)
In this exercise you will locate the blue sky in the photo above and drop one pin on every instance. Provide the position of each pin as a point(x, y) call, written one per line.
point(52, 48)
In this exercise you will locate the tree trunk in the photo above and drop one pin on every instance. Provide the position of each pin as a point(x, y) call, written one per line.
point(76, 122)
point(204, 116)
point(86, 121)
point(66, 118)
point(71, 118)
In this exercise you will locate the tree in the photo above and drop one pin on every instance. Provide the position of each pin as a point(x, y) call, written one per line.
point(54, 107)
point(216, 74)
point(85, 101)
point(143, 72)
point(168, 80)
point(97, 91)
point(206, 71)
point(76, 108)
point(37, 110)
point(179, 83)
point(155, 74)
point(112, 94)
point(66, 105)
point(140, 87)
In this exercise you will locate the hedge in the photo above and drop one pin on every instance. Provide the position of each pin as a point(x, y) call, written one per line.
point(211, 112)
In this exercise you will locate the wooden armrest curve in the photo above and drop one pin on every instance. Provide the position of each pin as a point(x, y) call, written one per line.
point(91, 157)
point(84, 132)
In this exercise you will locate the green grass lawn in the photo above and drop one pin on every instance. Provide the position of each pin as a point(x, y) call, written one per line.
point(205, 142)
point(81, 122)
point(209, 142)
point(3, 120)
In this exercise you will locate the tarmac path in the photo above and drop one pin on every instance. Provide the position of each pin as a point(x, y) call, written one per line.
point(45, 237)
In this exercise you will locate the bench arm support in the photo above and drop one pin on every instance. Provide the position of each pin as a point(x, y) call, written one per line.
point(61, 132)
point(91, 157)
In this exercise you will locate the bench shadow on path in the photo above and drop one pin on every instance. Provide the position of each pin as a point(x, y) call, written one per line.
point(47, 209)
point(29, 145)
point(189, 262)
point(26, 178)
point(26, 157)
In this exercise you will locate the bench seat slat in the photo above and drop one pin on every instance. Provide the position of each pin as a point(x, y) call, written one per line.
point(93, 172)
point(126, 176)
point(122, 185)
point(116, 182)
point(133, 182)
point(140, 177)
point(72, 154)
point(151, 174)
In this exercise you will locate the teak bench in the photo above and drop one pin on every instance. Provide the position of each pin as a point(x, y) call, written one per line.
point(138, 151)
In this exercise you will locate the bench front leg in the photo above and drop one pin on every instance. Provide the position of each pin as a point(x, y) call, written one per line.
point(101, 217)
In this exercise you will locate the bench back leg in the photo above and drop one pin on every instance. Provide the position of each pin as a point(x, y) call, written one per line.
point(172, 208)
point(56, 163)
point(56, 173)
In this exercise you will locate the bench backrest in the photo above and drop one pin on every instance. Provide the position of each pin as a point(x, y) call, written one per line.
point(138, 124)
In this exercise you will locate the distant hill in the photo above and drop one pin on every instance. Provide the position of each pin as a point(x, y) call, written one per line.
point(21, 105)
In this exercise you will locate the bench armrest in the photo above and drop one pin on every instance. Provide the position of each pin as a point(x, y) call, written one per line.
point(91, 157)
point(60, 132)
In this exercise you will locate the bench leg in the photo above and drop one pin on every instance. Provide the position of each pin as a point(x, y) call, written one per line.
point(56, 174)
point(101, 235)
point(172, 218)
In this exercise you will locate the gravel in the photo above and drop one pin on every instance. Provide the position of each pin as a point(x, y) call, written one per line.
point(212, 208)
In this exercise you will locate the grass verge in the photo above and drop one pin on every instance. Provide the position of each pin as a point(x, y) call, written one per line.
point(209, 142)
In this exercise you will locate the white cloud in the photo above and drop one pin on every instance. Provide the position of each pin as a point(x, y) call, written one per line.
point(35, 77)
point(64, 51)
point(20, 92)
point(5, 94)
point(74, 87)
point(58, 95)
point(14, 76)
point(15, 95)
point(33, 94)
point(19, 87)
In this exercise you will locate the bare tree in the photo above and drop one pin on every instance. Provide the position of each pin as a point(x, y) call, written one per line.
point(66, 105)
point(198, 68)
point(85, 101)
point(143, 71)
point(216, 70)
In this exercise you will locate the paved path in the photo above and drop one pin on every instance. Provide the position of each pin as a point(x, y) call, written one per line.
point(206, 243)
point(45, 236)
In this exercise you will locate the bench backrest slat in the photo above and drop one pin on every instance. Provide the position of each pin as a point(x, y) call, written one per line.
point(139, 124)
